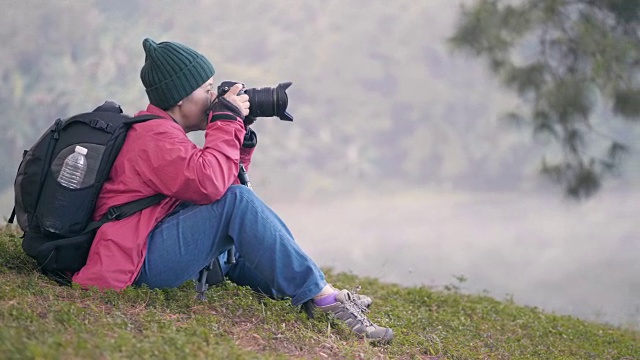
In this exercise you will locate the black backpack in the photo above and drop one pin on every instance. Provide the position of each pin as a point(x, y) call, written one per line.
point(56, 220)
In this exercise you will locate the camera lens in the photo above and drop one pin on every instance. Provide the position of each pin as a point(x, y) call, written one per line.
point(268, 101)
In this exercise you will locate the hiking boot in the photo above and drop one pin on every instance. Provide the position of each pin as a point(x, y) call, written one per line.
point(352, 312)
point(364, 300)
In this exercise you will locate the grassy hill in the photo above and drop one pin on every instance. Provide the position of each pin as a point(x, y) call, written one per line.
point(41, 320)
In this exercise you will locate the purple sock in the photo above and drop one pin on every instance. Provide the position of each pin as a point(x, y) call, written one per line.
point(326, 300)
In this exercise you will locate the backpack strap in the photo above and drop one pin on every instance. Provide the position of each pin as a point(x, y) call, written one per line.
point(125, 210)
point(13, 216)
point(142, 118)
point(13, 212)
point(72, 252)
point(95, 122)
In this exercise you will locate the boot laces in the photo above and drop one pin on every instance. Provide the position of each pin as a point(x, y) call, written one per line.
point(358, 310)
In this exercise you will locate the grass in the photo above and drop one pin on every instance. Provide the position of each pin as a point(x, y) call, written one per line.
point(41, 320)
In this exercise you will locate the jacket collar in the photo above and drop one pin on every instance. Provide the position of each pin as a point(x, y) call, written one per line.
point(154, 110)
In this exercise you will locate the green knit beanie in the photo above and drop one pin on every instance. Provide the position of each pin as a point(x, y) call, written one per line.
point(172, 71)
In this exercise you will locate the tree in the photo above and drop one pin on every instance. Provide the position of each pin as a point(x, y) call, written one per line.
point(575, 65)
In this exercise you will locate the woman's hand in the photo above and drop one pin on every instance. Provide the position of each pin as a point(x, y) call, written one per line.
point(240, 101)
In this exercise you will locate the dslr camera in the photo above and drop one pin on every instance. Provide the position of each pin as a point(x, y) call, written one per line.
point(265, 101)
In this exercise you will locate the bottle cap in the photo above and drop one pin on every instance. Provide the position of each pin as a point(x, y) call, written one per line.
point(81, 150)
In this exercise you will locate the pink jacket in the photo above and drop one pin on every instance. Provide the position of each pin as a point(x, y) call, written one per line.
point(158, 157)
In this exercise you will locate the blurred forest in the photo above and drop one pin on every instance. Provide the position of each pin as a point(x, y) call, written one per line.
point(379, 100)
point(575, 67)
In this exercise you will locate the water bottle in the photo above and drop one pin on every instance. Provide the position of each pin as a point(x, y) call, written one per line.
point(74, 168)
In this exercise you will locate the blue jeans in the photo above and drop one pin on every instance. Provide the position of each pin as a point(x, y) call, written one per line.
point(267, 257)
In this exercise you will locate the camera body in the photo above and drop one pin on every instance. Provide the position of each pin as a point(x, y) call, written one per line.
point(225, 86)
point(265, 101)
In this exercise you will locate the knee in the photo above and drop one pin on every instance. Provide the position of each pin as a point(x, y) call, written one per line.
point(237, 198)
point(240, 195)
point(240, 191)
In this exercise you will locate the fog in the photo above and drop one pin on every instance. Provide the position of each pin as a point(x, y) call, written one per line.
point(537, 249)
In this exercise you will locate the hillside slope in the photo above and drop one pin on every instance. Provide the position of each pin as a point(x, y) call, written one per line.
point(42, 320)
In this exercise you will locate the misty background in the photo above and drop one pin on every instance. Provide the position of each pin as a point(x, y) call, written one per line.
point(396, 166)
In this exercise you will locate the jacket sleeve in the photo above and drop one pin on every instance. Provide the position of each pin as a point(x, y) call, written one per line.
point(246, 156)
point(173, 165)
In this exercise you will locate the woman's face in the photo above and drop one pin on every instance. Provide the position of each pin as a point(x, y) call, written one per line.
point(191, 111)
